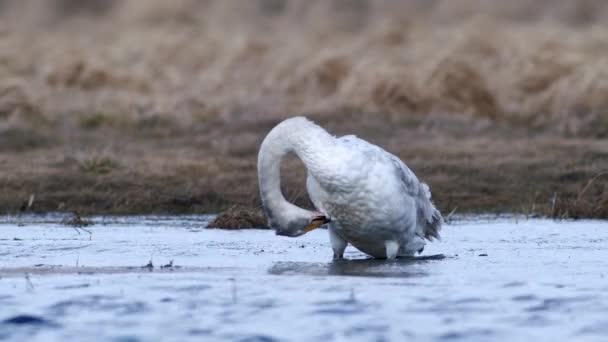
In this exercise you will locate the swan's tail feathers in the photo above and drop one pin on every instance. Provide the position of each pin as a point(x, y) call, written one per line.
point(432, 227)
point(430, 219)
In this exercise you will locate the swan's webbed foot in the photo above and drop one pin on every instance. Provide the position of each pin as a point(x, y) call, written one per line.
point(338, 244)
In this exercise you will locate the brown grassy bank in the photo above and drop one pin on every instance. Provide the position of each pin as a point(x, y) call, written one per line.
point(140, 107)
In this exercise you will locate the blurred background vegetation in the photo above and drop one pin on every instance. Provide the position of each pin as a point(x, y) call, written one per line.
point(110, 106)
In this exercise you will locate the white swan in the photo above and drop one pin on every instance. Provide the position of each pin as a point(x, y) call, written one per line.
point(368, 196)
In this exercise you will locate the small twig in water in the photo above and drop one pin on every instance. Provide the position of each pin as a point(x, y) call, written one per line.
point(77, 229)
point(352, 298)
point(149, 266)
point(78, 223)
point(234, 293)
point(28, 283)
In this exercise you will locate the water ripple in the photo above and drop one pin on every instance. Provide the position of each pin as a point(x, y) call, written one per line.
point(29, 320)
point(97, 303)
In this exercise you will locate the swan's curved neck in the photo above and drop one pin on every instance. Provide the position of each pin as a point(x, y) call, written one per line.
point(311, 143)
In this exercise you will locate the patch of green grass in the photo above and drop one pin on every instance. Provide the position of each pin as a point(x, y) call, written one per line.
point(99, 120)
point(23, 139)
point(100, 166)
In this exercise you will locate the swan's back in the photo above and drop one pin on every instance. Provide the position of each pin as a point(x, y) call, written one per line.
point(429, 219)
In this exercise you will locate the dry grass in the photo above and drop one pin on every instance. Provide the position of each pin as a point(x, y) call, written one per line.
point(154, 106)
point(238, 218)
point(77, 221)
point(589, 202)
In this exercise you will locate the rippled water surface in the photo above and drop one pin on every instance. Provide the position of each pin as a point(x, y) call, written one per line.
point(148, 279)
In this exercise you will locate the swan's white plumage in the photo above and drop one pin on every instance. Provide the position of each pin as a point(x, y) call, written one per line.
point(375, 202)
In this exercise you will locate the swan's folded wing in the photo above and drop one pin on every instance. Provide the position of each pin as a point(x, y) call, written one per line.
point(429, 218)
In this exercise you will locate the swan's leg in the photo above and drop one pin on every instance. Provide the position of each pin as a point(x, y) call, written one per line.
point(392, 248)
point(338, 244)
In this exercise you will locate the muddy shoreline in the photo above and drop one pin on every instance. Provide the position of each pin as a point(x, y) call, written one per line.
point(489, 173)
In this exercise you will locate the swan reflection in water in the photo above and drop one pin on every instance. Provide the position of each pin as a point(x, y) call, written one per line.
point(369, 267)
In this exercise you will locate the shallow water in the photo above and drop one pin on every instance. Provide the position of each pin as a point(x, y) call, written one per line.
point(486, 280)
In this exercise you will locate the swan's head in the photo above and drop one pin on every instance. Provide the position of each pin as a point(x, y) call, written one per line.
point(294, 221)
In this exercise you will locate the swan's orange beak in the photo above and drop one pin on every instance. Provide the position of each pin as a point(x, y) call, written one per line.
point(315, 223)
